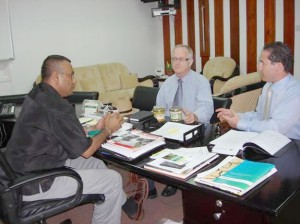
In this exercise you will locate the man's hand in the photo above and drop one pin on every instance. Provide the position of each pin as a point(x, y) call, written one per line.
point(189, 117)
point(228, 115)
point(113, 122)
point(101, 123)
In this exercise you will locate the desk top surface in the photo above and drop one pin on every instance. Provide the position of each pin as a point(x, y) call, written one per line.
point(270, 196)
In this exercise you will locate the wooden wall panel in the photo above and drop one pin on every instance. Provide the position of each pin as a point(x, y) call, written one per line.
point(219, 30)
point(204, 31)
point(178, 26)
point(289, 24)
point(235, 31)
point(167, 46)
point(191, 27)
point(251, 36)
point(251, 54)
point(270, 12)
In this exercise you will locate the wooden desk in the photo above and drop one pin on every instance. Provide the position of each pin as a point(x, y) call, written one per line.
point(274, 201)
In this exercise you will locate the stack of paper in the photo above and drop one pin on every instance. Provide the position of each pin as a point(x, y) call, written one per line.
point(132, 144)
point(236, 175)
point(180, 163)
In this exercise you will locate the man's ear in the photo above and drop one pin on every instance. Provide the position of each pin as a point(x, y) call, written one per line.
point(279, 66)
point(191, 62)
point(54, 78)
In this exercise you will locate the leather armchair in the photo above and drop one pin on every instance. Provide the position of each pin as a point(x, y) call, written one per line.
point(15, 211)
point(244, 91)
point(144, 98)
point(218, 70)
point(219, 102)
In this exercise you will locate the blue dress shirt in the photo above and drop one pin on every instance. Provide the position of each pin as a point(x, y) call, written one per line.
point(284, 110)
point(197, 96)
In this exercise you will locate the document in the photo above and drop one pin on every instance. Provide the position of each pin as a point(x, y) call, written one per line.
point(132, 144)
point(175, 131)
point(267, 142)
point(236, 175)
point(181, 163)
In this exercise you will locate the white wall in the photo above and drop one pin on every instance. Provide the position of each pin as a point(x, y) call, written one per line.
point(87, 31)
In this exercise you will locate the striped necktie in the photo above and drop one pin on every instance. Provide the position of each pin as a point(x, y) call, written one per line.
point(178, 95)
point(266, 111)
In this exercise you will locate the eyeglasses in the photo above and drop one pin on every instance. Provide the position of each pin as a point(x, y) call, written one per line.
point(174, 59)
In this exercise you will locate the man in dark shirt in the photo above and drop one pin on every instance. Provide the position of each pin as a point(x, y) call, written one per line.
point(48, 134)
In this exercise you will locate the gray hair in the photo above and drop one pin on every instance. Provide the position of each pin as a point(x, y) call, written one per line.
point(191, 54)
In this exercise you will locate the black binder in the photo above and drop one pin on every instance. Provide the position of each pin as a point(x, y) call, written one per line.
point(140, 116)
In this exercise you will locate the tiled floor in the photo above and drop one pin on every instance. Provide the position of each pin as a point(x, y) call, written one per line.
point(155, 209)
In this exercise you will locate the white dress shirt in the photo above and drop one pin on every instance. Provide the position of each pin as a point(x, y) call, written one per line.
point(197, 96)
point(284, 110)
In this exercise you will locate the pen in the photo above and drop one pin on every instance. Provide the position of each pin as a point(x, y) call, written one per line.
point(86, 121)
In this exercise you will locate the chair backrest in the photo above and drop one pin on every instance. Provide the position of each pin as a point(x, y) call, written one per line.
point(219, 66)
point(78, 97)
point(6, 173)
point(234, 85)
point(9, 200)
point(246, 101)
point(219, 102)
point(144, 98)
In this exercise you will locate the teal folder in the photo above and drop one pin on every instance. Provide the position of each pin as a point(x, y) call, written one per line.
point(245, 174)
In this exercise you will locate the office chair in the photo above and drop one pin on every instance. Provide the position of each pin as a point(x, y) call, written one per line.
point(15, 211)
point(79, 97)
point(144, 98)
point(219, 102)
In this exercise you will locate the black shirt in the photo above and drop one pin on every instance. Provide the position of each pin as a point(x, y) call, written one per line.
point(46, 134)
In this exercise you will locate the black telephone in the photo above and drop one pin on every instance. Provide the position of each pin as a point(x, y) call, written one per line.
point(7, 110)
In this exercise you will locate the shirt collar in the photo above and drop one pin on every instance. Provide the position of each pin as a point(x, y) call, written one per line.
point(186, 77)
point(281, 83)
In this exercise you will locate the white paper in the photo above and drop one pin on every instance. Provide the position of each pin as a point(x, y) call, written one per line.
point(232, 141)
point(175, 131)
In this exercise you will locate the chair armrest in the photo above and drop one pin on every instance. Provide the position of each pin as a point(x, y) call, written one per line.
point(148, 77)
point(40, 175)
point(235, 72)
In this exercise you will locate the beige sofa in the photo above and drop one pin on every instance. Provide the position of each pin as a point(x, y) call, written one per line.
point(111, 80)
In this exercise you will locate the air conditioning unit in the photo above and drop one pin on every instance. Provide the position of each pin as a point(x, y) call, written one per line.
point(163, 11)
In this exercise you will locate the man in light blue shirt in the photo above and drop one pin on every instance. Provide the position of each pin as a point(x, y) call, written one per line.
point(197, 103)
point(284, 110)
point(195, 96)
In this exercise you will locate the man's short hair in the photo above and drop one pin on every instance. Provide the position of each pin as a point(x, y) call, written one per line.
point(280, 52)
point(186, 47)
point(50, 65)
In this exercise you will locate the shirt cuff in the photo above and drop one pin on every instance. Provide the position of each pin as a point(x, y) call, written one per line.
point(242, 125)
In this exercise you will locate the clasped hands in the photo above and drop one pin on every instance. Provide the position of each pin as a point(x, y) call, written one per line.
point(111, 122)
